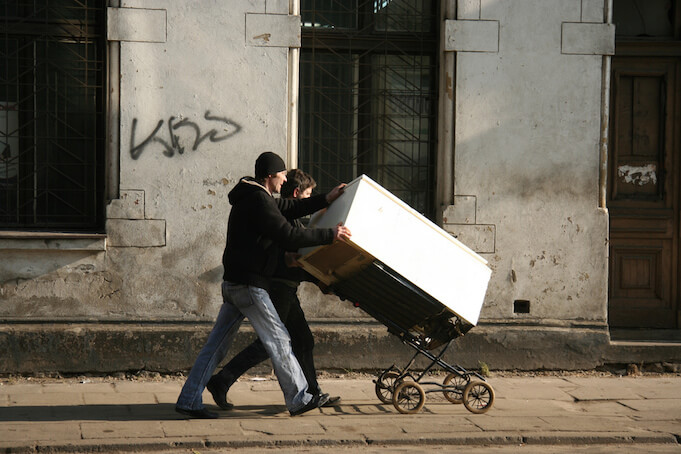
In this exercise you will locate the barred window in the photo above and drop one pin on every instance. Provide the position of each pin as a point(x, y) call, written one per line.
point(368, 94)
point(52, 114)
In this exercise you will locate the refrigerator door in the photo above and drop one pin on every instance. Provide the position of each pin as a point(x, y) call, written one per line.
point(386, 229)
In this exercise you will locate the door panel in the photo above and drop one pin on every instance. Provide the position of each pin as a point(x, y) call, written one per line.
point(643, 186)
point(641, 285)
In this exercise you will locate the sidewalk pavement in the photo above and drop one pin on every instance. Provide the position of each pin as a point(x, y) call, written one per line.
point(105, 414)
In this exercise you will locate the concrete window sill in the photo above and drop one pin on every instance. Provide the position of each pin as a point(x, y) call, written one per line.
point(52, 241)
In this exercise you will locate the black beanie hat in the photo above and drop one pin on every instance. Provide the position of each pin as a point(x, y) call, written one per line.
point(267, 164)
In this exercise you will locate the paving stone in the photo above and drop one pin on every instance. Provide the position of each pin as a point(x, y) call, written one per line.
point(359, 425)
point(603, 393)
point(499, 423)
point(666, 426)
point(122, 429)
point(119, 398)
point(655, 405)
point(524, 407)
point(171, 397)
point(20, 388)
point(419, 424)
point(297, 426)
point(41, 399)
point(90, 412)
point(201, 428)
point(46, 431)
point(596, 408)
point(78, 388)
point(540, 390)
point(85, 421)
point(148, 387)
point(587, 423)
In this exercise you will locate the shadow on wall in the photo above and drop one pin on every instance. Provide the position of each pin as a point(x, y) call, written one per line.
point(40, 283)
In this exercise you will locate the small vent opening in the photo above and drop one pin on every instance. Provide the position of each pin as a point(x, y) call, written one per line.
point(521, 307)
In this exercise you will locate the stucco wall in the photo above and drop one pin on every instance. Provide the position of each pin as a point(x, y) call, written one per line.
point(204, 90)
point(202, 94)
point(527, 160)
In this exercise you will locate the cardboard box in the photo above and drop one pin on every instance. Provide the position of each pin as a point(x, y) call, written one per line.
point(386, 230)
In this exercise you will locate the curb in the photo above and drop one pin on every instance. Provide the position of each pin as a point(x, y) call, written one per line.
point(146, 444)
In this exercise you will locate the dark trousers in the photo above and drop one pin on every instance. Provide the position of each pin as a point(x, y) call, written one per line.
point(286, 303)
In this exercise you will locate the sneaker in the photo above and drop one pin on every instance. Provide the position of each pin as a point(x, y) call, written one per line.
point(331, 401)
point(317, 401)
point(219, 392)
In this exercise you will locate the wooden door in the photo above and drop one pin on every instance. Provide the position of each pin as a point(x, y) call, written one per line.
point(643, 192)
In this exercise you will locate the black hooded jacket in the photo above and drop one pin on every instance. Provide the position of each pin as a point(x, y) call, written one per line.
point(258, 230)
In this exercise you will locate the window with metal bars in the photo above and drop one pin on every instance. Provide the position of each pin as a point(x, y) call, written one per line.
point(52, 114)
point(368, 94)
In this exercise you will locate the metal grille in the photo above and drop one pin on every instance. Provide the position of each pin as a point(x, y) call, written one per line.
point(51, 114)
point(368, 94)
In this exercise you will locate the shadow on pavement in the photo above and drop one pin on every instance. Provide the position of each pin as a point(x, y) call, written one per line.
point(123, 412)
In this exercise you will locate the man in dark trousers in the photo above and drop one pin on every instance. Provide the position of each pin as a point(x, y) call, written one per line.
point(283, 292)
point(257, 229)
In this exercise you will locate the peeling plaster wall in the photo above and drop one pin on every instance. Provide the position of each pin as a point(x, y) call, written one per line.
point(200, 99)
point(527, 151)
point(203, 90)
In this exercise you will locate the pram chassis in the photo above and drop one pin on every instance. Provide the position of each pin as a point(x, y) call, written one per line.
point(404, 388)
point(423, 324)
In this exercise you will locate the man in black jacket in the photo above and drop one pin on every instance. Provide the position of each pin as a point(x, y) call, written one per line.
point(283, 292)
point(257, 229)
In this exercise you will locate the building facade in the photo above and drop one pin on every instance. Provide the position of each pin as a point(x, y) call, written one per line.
point(518, 126)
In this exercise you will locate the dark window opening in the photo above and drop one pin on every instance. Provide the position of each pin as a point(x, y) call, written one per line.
point(647, 19)
point(52, 114)
point(368, 95)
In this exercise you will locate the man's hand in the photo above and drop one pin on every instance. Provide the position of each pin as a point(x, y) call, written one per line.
point(335, 193)
point(340, 232)
point(291, 259)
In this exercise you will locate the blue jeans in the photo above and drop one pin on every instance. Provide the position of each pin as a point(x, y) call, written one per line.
point(255, 303)
point(286, 303)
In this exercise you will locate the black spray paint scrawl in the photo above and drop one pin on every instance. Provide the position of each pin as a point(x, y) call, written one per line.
point(172, 145)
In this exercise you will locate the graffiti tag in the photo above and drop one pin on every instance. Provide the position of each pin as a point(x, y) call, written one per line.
point(173, 143)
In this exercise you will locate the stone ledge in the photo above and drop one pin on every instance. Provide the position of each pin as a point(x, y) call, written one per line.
point(51, 241)
point(168, 347)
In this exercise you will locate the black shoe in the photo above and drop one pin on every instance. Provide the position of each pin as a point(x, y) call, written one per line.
point(219, 393)
point(317, 401)
point(331, 401)
point(198, 414)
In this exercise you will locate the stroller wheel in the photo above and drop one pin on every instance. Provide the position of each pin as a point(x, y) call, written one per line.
point(478, 397)
point(455, 384)
point(409, 397)
point(385, 385)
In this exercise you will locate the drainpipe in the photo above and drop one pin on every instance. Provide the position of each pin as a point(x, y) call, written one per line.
point(605, 118)
point(293, 89)
point(113, 108)
point(444, 193)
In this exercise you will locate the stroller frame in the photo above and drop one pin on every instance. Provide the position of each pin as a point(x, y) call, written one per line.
point(404, 388)
point(424, 324)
